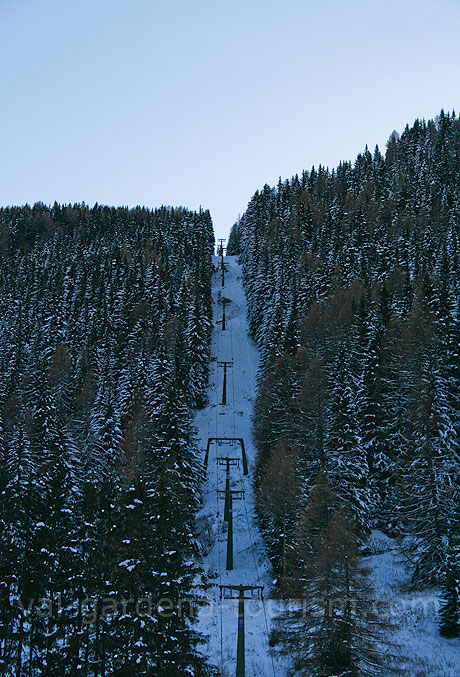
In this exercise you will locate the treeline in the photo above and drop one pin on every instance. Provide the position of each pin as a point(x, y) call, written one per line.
point(353, 288)
point(104, 348)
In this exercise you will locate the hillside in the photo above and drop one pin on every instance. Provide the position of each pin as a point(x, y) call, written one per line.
point(352, 284)
point(104, 350)
point(158, 465)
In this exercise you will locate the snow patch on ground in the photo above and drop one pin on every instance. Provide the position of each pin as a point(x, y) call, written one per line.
point(411, 616)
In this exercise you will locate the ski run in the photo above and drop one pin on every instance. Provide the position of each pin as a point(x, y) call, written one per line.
point(219, 619)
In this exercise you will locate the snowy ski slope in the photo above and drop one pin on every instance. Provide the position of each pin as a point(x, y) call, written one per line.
point(251, 566)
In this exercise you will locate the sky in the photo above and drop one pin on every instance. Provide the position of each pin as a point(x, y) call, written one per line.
point(202, 102)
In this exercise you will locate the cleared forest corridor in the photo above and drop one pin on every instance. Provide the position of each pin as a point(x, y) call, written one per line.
point(224, 428)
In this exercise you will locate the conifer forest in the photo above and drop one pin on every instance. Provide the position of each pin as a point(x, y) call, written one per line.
point(104, 350)
point(116, 327)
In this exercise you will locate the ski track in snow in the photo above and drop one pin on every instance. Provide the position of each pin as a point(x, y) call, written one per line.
point(251, 566)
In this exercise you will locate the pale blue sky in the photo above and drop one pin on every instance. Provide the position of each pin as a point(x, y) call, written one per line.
point(202, 102)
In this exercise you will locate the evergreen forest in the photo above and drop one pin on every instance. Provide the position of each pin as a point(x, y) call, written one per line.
point(352, 283)
point(104, 350)
point(353, 289)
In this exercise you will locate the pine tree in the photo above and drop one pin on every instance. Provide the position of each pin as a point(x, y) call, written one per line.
point(87, 296)
point(334, 632)
point(347, 462)
point(449, 615)
point(197, 338)
point(277, 497)
point(433, 477)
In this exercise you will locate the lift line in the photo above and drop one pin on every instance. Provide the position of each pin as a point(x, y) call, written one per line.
point(227, 441)
point(220, 249)
point(224, 270)
point(230, 496)
point(227, 461)
point(225, 365)
point(241, 590)
point(224, 302)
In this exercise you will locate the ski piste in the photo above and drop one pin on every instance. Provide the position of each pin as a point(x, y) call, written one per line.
point(222, 428)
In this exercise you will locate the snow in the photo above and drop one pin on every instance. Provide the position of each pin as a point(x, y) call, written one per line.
point(218, 619)
point(412, 616)
point(128, 564)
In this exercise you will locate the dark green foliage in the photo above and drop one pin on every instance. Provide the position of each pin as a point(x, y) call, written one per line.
point(352, 284)
point(104, 347)
point(334, 631)
point(449, 615)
